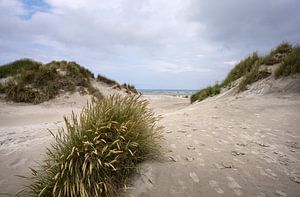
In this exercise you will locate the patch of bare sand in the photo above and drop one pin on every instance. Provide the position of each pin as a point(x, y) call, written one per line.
point(231, 146)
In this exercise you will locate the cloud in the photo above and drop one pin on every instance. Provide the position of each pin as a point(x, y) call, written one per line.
point(251, 23)
point(190, 40)
point(177, 68)
point(231, 63)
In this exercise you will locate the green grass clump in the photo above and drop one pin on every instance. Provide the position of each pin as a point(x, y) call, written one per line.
point(2, 88)
point(18, 67)
point(290, 63)
point(252, 76)
point(106, 80)
point(276, 55)
point(98, 150)
point(205, 93)
point(34, 82)
point(241, 69)
point(129, 88)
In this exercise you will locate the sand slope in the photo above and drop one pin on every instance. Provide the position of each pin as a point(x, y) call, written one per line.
point(231, 146)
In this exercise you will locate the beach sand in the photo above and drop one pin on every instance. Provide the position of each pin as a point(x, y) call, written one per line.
point(245, 145)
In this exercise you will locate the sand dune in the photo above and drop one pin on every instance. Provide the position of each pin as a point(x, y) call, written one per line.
point(245, 145)
point(231, 146)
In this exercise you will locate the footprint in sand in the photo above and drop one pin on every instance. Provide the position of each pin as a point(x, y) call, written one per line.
point(173, 145)
point(214, 184)
point(194, 176)
point(280, 193)
point(234, 186)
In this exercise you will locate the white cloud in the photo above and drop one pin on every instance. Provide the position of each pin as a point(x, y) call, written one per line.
point(177, 68)
point(231, 63)
point(188, 37)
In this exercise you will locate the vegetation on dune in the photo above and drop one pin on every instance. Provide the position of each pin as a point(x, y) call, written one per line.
point(241, 69)
point(98, 150)
point(252, 76)
point(18, 66)
point(106, 80)
point(250, 71)
point(276, 55)
point(290, 63)
point(33, 82)
point(206, 92)
point(128, 88)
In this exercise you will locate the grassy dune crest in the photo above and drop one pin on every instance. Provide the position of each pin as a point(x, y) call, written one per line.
point(249, 69)
point(98, 150)
point(34, 82)
point(290, 64)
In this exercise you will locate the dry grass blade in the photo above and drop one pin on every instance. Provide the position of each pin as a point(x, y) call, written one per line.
point(98, 150)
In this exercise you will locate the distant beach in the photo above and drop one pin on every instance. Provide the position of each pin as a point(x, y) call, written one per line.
point(173, 92)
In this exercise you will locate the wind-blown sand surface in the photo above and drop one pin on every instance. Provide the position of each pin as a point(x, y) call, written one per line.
point(229, 146)
point(232, 146)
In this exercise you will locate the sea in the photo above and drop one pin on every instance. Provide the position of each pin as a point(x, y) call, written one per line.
point(173, 92)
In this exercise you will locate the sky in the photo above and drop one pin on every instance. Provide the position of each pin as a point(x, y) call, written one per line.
point(156, 44)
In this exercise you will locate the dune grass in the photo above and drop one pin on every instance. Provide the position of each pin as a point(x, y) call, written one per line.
point(33, 82)
point(98, 150)
point(276, 55)
point(290, 64)
point(285, 54)
point(129, 88)
point(205, 93)
point(252, 76)
point(241, 69)
point(106, 80)
point(18, 66)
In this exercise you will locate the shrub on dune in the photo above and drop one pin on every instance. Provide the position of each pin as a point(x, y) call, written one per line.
point(98, 150)
point(290, 64)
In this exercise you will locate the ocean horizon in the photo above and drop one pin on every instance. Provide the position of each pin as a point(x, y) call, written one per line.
point(168, 91)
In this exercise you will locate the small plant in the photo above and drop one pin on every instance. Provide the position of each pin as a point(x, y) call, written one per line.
point(206, 92)
point(98, 150)
point(290, 64)
point(254, 75)
point(276, 55)
point(106, 80)
point(129, 88)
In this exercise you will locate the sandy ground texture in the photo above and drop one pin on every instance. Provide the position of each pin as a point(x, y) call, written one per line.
point(243, 145)
point(246, 145)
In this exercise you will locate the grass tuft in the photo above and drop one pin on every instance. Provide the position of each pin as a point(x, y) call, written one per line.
point(290, 64)
point(254, 75)
point(129, 88)
point(98, 150)
point(276, 55)
point(106, 80)
point(205, 93)
point(241, 69)
point(18, 66)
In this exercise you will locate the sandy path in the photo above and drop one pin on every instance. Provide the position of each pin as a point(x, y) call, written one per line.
point(226, 147)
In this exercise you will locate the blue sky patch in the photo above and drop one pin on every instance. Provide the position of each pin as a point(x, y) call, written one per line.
point(33, 6)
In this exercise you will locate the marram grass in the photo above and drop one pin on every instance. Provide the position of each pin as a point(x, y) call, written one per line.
point(99, 150)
